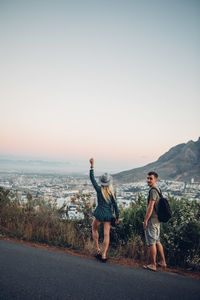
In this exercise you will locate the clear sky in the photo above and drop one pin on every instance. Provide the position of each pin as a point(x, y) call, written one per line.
point(116, 80)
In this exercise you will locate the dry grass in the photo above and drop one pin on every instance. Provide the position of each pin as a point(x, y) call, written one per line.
point(41, 222)
point(135, 249)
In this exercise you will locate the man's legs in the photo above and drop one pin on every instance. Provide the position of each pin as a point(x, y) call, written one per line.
point(152, 255)
point(162, 262)
point(152, 235)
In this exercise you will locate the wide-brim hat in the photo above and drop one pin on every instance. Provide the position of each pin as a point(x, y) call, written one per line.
point(105, 179)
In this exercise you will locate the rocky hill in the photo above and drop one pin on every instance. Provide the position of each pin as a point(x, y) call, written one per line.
point(181, 162)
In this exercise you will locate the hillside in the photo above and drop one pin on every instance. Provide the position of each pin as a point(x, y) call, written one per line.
point(181, 162)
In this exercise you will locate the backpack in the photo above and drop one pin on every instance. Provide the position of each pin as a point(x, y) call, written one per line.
point(163, 211)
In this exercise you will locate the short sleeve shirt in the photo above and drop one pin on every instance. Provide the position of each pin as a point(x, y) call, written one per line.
point(153, 195)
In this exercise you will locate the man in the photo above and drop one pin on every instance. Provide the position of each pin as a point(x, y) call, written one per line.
point(151, 225)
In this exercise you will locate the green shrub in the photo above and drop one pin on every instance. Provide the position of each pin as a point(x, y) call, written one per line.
point(181, 235)
point(41, 221)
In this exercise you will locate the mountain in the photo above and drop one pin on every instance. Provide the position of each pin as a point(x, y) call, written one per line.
point(41, 166)
point(181, 162)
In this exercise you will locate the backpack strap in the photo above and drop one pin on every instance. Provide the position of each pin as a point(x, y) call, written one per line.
point(159, 192)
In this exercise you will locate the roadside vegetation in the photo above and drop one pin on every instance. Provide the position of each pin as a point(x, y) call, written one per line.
point(41, 221)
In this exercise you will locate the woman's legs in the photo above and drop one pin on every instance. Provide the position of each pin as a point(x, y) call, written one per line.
point(106, 239)
point(95, 234)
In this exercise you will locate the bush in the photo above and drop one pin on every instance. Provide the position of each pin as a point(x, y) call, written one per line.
point(181, 235)
point(41, 221)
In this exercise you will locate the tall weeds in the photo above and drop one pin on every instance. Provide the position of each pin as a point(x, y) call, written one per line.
point(40, 221)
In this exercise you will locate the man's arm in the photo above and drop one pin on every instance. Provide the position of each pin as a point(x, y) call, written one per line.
point(148, 213)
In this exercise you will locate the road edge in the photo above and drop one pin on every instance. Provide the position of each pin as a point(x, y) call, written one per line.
point(120, 260)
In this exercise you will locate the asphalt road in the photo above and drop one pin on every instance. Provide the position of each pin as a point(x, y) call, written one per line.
point(33, 273)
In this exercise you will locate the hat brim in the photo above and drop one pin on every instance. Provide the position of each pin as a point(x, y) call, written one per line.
point(106, 183)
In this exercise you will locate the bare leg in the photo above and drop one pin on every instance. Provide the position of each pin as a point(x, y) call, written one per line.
point(152, 255)
point(148, 256)
point(95, 234)
point(106, 239)
point(162, 262)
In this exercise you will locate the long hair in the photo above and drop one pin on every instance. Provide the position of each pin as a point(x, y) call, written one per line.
point(107, 192)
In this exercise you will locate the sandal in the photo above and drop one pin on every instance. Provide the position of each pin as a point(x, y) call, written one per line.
point(144, 267)
point(151, 269)
point(104, 260)
point(162, 266)
point(98, 256)
point(147, 267)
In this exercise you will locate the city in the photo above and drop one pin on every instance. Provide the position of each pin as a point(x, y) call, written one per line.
point(64, 189)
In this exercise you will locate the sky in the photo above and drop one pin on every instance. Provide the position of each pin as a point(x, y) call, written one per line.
point(114, 80)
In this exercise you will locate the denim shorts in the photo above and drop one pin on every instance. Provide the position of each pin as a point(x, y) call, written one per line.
point(152, 233)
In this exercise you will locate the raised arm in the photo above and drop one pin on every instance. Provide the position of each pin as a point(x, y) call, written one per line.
point(93, 180)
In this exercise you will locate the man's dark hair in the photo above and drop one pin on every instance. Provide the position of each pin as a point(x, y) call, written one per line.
point(153, 173)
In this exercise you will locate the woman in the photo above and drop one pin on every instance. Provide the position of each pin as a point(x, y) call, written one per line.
point(103, 213)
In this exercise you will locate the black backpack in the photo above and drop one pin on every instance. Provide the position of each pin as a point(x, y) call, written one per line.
point(163, 211)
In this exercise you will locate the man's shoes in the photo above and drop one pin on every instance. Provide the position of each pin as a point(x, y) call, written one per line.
point(162, 265)
point(149, 267)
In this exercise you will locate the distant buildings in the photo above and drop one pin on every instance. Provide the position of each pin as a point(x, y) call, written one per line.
point(65, 189)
